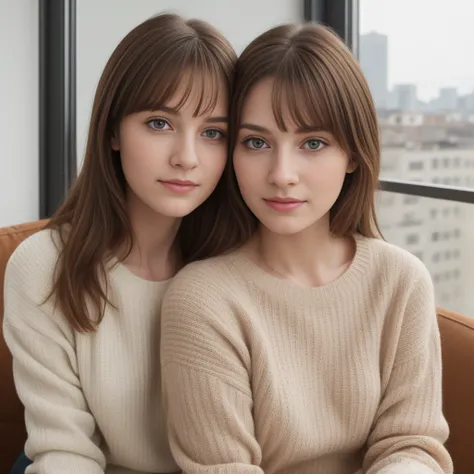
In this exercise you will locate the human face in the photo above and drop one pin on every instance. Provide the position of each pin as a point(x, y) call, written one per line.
point(171, 159)
point(289, 180)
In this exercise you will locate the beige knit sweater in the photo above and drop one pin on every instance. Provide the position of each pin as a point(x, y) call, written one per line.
point(92, 401)
point(263, 376)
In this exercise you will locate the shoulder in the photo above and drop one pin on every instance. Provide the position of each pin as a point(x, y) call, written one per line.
point(395, 264)
point(30, 270)
point(204, 292)
point(202, 320)
point(28, 284)
point(210, 276)
point(35, 257)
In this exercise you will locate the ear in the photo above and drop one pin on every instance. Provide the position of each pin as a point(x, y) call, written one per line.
point(351, 166)
point(114, 142)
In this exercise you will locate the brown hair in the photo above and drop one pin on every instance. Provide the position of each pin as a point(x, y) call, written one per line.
point(144, 71)
point(319, 82)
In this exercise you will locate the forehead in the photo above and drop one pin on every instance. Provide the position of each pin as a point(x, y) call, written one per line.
point(199, 97)
point(261, 107)
point(289, 103)
point(258, 105)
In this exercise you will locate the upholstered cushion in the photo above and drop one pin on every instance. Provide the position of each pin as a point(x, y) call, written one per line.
point(457, 339)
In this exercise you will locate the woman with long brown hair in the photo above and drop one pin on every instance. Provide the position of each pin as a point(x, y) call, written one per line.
point(82, 297)
point(314, 348)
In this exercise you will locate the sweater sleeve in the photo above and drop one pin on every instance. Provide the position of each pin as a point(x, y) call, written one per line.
point(410, 430)
point(62, 436)
point(206, 388)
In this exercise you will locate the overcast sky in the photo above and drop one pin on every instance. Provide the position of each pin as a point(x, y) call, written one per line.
point(430, 42)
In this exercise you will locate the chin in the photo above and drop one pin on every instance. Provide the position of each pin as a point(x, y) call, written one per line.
point(175, 210)
point(284, 228)
point(176, 213)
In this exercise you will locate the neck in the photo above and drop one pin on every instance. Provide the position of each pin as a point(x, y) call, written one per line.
point(312, 257)
point(153, 255)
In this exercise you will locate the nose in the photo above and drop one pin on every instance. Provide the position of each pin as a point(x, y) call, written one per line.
point(184, 154)
point(283, 172)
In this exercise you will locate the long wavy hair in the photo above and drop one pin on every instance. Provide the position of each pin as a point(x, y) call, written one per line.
point(144, 71)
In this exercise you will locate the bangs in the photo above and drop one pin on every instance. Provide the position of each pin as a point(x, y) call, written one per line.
point(197, 75)
point(302, 95)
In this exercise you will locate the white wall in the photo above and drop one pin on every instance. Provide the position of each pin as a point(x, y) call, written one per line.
point(102, 24)
point(19, 201)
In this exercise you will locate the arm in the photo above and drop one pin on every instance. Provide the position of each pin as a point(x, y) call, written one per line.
point(62, 436)
point(410, 429)
point(207, 394)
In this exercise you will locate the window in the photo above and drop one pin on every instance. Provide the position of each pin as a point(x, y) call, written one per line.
point(441, 246)
point(427, 108)
point(416, 165)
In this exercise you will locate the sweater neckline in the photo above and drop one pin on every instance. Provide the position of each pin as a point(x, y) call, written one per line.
point(272, 284)
point(125, 275)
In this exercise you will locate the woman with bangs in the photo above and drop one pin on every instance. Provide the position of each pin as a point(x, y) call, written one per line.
point(83, 296)
point(313, 348)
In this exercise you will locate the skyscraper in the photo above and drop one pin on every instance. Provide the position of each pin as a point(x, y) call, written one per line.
point(448, 99)
point(406, 97)
point(373, 57)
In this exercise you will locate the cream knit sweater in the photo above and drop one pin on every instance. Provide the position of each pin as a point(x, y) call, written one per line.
point(263, 376)
point(92, 402)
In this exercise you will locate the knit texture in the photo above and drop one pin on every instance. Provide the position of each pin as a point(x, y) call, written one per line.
point(261, 375)
point(92, 401)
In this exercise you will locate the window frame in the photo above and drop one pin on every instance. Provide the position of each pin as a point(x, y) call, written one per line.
point(57, 103)
point(343, 17)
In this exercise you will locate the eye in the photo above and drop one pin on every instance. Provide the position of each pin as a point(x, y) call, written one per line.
point(314, 144)
point(255, 143)
point(213, 134)
point(159, 124)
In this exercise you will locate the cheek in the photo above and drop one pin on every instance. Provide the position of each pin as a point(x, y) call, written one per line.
point(212, 159)
point(246, 173)
point(141, 152)
point(327, 176)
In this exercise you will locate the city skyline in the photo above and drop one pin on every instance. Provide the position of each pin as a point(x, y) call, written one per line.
point(374, 58)
point(427, 42)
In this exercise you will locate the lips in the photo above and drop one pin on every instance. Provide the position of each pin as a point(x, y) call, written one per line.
point(179, 186)
point(179, 182)
point(286, 204)
point(284, 200)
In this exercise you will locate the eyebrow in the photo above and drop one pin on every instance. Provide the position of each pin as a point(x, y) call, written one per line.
point(254, 128)
point(174, 111)
point(260, 129)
